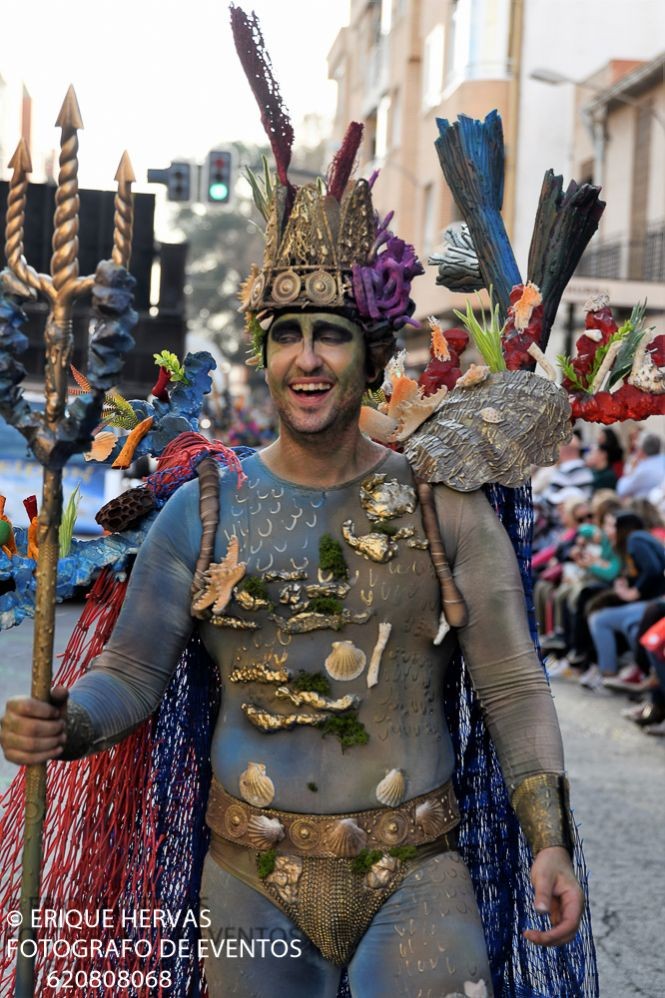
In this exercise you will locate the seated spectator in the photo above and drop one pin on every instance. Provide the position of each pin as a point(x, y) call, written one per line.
point(650, 715)
point(643, 579)
point(608, 439)
point(547, 565)
point(570, 471)
point(653, 521)
point(598, 459)
point(647, 469)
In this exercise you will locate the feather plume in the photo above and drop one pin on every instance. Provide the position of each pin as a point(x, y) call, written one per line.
point(343, 163)
point(255, 61)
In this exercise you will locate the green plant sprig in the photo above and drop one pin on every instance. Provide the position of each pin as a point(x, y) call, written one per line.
point(169, 361)
point(485, 334)
point(69, 514)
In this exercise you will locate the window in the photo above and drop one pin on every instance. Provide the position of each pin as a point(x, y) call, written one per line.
point(396, 120)
point(430, 228)
point(382, 115)
point(460, 39)
point(433, 67)
point(386, 16)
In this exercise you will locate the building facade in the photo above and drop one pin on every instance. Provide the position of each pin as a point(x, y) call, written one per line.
point(400, 64)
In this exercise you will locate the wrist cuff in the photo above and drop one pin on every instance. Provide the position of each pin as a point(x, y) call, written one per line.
point(79, 731)
point(542, 808)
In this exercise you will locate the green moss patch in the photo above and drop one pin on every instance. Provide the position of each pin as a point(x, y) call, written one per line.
point(365, 860)
point(347, 728)
point(328, 605)
point(311, 682)
point(331, 557)
point(265, 863)
point(403, 852)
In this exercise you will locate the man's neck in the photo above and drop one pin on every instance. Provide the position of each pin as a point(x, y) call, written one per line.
point(317, 459)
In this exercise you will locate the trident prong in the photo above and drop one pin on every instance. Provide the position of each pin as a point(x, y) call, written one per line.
point(123, 219)
point(21, 166)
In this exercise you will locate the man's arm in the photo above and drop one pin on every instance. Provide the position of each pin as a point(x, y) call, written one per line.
point(515, 698)
point(125, 683)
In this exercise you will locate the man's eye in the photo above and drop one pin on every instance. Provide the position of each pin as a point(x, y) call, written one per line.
point(332, 336)
point(285, 336)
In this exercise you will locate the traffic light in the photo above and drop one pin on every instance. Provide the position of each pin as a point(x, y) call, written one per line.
point(179, 181)
point(217, 187)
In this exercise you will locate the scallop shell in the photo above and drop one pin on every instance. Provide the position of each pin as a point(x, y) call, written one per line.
point(264, 832)
point(392, 788)
point(347, 838)
point(345, 661)
point(382, 872)
point(255, 787)
point(430, 817)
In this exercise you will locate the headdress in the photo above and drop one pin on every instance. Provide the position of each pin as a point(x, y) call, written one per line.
point(325, 246)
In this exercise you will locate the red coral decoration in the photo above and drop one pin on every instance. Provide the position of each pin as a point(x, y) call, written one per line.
point(445, 372)
point(603, 322)
point(613, 407)
point(516, 342)
point(160, 388)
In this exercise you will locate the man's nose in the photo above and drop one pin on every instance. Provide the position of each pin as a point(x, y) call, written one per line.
point(308, 358)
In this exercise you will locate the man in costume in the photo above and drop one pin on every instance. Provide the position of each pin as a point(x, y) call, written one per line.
point(331, 811)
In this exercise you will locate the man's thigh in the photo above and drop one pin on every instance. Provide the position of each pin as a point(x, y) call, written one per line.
point(285, 963)
point(427, 940)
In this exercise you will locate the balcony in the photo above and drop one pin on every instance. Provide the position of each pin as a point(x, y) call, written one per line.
point(625, 259)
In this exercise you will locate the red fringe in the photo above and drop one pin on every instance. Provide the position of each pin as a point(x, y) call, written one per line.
point(342, 165)
point(255, 61)
point(89, 844)
point(186, 446)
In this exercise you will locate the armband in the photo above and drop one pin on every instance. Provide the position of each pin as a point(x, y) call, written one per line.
point(543, 810)
point(79, 731)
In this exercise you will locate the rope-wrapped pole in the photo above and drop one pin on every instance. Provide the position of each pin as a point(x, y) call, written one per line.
point(452, 600)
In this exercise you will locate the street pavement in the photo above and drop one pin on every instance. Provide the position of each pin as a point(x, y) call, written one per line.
point(616, 774)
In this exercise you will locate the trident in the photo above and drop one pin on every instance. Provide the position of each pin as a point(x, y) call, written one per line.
point(61, 430)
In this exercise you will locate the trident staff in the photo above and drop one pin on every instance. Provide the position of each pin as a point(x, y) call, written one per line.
point(61, 430)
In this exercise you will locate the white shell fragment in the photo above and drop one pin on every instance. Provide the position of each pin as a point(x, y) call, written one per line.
point(255, 786)
point(444, 627)
point(345, 661)
point(391, 791)
point(264, 832)
point(347, 838)
point(491, 415)
point(375, 661)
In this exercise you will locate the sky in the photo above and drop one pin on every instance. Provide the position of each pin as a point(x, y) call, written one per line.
point(160, 78)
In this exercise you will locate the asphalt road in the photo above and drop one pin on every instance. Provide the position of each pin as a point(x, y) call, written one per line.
point(618, 796)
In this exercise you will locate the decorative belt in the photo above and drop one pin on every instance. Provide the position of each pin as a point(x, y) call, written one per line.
point(416, 822)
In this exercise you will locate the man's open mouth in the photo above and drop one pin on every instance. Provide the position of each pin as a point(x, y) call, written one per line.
point(311, 389)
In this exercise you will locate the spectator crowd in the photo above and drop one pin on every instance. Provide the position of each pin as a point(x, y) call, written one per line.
point(599, 569)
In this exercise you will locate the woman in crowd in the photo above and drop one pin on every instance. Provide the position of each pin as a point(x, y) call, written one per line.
point(643, 579)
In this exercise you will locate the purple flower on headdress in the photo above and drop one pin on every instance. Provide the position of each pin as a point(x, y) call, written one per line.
point(382, 289)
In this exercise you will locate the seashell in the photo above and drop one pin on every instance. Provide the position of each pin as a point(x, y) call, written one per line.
point(377, 425)
point(593, 334)
point(264, 832)
point(345, 661)
point(286, 287)
point(413, 412)
point(430, 817)
point(595, 303)
point(102, 445)
point(347, 838)
point(392, 788)
point(255, 787)
point(382, 872)
point(476, 375)
point(491, 415)
point(648, 377)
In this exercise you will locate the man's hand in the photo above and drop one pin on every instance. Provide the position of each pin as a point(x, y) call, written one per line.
point(32, 731)
point(558, 894)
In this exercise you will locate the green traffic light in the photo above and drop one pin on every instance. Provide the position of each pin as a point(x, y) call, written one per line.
point(218, 192)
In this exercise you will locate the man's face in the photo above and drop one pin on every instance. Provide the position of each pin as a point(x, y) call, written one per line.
point(315, 370)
